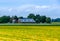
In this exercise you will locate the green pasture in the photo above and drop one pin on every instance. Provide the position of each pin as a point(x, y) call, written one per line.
point(29, 33)
point(29, 24)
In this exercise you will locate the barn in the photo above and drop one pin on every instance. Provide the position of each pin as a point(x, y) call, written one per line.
point(26, 20)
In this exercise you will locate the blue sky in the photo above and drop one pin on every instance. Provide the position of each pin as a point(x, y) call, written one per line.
point(50, 8)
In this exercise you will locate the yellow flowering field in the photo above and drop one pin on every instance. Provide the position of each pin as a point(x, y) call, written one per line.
point(29, 33)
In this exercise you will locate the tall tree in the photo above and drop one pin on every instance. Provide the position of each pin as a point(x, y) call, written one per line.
point(15, 18)
point(48, 20)
point(38, 19)
point(43, 19)
point(31, 15)
point(4, 19)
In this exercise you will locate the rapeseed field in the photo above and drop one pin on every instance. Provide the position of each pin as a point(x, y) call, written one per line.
point(29, 33)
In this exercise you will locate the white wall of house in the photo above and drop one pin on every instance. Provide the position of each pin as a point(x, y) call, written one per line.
point(13, 21)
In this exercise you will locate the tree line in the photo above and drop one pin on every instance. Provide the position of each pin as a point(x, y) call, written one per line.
point(37, 18)
point(56, 20)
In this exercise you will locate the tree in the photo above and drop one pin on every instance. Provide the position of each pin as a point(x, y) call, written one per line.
point(10, 20)
point(31, 15)
point(15, 18)
point(57, 20)
point(43, 19)
point(4, 19)
point(21, 17)
point(38, 19)
point(48, 20)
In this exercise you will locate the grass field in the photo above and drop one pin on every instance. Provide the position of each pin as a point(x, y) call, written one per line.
point(37, 24)
point(29, 33)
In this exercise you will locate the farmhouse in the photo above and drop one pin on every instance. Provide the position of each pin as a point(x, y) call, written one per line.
point(26, 20)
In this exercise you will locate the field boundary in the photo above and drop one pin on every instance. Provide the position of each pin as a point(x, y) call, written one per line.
point(29, 25)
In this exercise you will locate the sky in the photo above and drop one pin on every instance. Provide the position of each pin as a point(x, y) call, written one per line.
point(49, 8)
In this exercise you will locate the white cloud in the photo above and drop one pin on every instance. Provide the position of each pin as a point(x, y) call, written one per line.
point(10, 9)
point(29, 6)
point(42, 7)
point(51, 10)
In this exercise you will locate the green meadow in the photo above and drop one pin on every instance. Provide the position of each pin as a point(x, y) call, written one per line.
point(29, 33)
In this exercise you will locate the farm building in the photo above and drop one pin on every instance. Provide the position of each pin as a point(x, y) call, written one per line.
point(26, 20)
